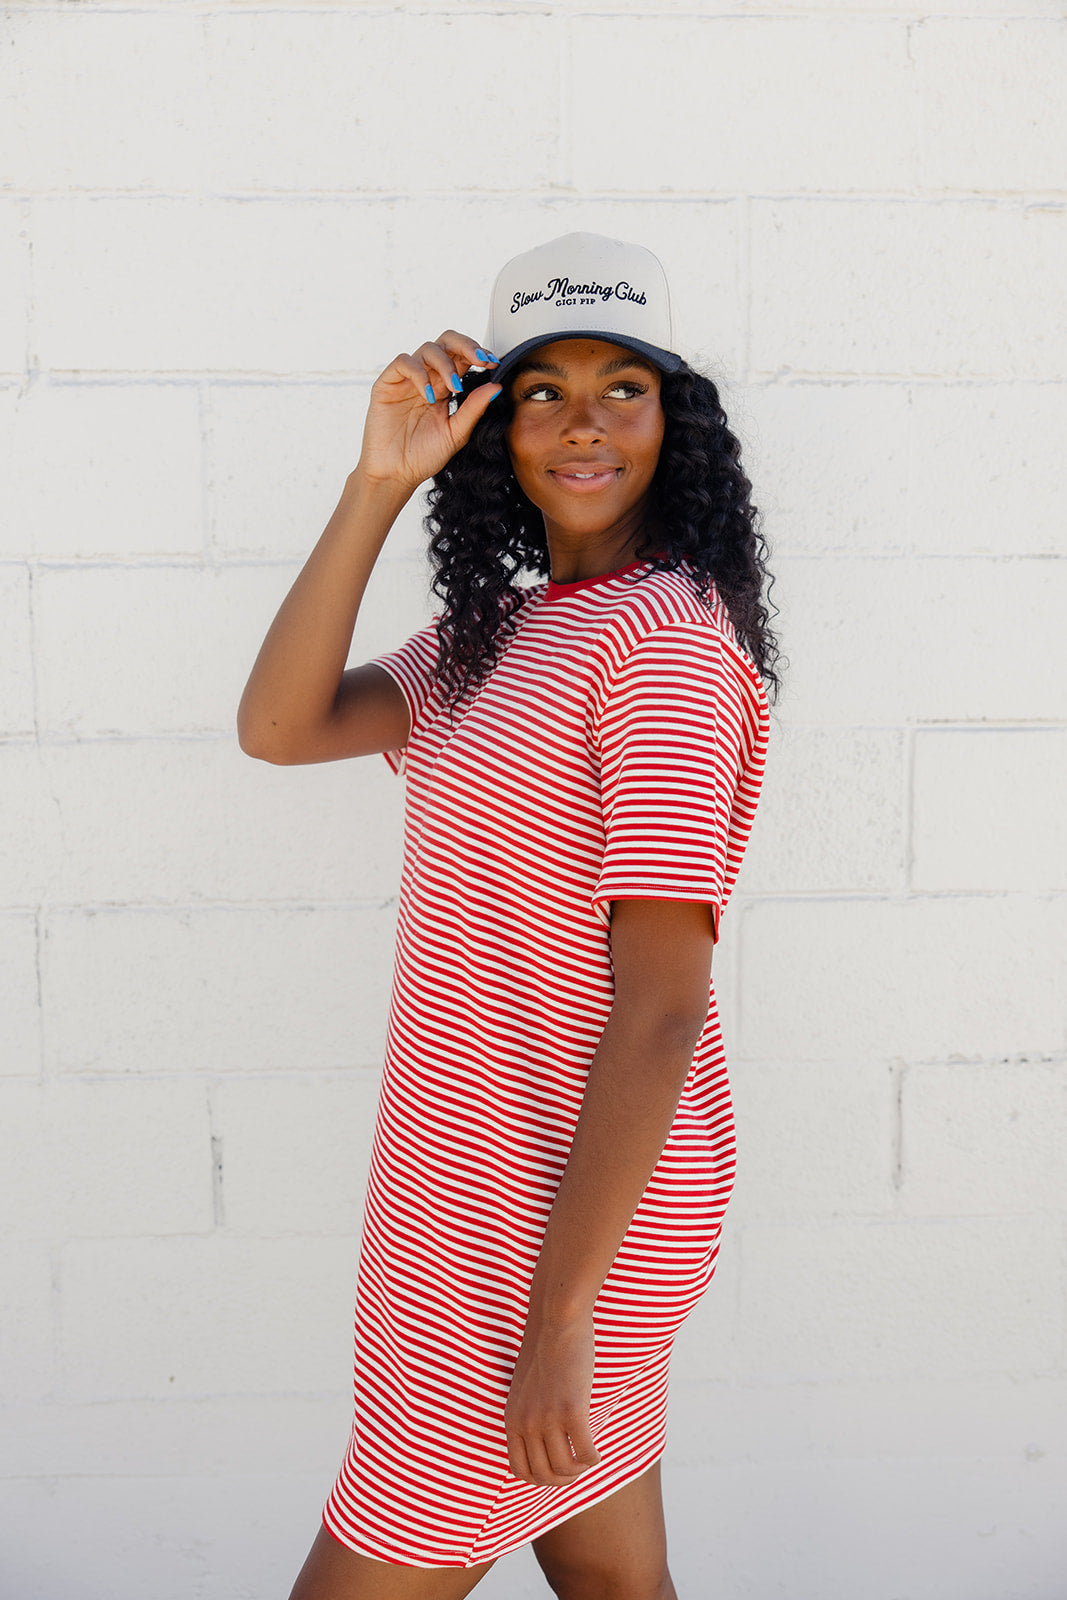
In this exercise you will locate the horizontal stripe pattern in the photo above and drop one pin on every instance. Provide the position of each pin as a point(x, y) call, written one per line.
point(615, 751)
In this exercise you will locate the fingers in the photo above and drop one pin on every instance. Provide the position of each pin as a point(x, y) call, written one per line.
point(550, 1456)
point(466, 418)
point(435, 370)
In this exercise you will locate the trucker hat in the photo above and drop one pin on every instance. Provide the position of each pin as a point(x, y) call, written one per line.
point(581, 285)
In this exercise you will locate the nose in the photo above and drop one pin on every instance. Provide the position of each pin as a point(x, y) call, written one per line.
point(583, 421)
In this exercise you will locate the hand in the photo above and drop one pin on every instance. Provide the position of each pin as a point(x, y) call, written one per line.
point(406, 437)
point(547, 1410)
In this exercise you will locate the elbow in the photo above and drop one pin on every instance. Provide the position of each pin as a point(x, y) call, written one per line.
point(254, 743)
point(669, 1033)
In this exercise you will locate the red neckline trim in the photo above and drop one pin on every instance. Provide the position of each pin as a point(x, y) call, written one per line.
point(556, 591)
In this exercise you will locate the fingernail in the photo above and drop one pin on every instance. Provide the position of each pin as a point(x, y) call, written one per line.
point(429, 394)
point(483, 355)
point(456, 383)
point(499, 391)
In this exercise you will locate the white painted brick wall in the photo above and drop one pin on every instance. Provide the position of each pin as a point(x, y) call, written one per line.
point(218, 220)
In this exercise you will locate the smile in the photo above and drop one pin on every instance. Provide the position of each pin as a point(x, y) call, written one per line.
point(584, 482)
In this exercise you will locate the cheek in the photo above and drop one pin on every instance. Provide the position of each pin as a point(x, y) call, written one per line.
point(524, 448)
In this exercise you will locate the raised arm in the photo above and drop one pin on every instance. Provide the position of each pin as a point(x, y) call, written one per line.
point(300, 704)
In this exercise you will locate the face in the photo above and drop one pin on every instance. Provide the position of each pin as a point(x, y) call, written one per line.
point(585, 435)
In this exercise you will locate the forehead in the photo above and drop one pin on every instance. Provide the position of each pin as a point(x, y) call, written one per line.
point(563, 357)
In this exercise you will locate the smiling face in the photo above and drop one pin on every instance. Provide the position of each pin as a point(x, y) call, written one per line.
point(585, 439)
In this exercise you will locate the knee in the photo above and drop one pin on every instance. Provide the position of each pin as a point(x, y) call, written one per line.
point(608, 1582)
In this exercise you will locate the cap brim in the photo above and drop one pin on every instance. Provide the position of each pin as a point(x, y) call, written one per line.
point(666, 360)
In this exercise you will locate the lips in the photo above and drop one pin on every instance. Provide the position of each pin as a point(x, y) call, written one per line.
point(583, 477)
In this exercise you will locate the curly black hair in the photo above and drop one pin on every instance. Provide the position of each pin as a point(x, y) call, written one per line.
point(485, 532)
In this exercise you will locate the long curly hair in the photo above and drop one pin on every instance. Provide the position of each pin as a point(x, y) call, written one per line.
point(484, 532)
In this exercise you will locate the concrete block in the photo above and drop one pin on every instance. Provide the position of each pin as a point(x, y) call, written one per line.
point(30, 843)
point(104, 469)
point(133, 284)
point(842, 114)
point(813, 1141)
point(280, 454)
point(992, 102)
point(896, 1300)
point(346, 122)
point(991, 1419)
point(17, 714)
point(103, 101)
point(830, 813)
point(988, 809)
point(217, 990)
point(295, 1152)
point(14, 285)
point(151, 650)
point(215, 1437)
point(984, 1140)
point(20, 1048)
point(921, 1528)
point(27, 1332)
point(280, 458)
point(185, 1317)
point(88, 1159)
point(924, 468)
point(940, 640)
point(147, 821)
point(970, 449)
point(873, 286)
point(925, 979)
point(699, 243)
point(235, 1537)
point(828, 461)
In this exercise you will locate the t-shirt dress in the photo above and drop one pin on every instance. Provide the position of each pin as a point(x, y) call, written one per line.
point(615, 751)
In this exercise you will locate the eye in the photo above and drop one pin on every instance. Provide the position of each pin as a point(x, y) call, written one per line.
point(538, 388)
point(630, 386)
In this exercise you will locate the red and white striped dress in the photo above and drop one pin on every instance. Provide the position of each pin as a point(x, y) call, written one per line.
point(615, 751)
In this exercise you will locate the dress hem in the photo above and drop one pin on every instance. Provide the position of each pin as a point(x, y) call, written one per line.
point(505, 1548)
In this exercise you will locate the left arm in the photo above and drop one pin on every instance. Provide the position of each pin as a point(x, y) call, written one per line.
point(661, 953)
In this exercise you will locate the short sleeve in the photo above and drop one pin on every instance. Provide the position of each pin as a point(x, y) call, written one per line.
point(413, 668)
point(674, 725)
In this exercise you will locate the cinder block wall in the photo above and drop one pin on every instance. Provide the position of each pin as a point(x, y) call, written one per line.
point(219, 221)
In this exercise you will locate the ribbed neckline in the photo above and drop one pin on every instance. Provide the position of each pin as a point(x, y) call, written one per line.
point(557, 591)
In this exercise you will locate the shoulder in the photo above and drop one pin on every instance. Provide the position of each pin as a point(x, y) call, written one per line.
point(661, 616)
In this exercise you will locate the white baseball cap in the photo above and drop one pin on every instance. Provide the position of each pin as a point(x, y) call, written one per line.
point(582, 285)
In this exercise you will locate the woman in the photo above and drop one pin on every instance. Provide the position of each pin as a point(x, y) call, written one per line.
point(554, 1146)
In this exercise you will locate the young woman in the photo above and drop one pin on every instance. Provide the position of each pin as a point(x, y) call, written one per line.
point(554, 1145)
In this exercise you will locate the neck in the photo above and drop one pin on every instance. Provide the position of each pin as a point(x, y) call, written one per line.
point(574, 557)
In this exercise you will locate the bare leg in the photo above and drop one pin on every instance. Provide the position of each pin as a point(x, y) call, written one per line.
point(616, 1550)
point(334, 1572)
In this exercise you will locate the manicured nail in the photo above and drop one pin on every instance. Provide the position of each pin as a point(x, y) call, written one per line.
point(429, 394)
point(456, 383)
point(499, 391)
point(483, 355)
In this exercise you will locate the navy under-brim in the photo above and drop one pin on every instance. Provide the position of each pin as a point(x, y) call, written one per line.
point(666, 360)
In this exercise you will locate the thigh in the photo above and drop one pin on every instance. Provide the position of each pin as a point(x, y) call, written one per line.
point(622, 1537)
point(334, 1572)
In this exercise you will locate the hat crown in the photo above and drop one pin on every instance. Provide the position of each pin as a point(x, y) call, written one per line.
point(580, 283)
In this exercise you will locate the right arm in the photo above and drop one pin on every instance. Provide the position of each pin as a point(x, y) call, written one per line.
point(300, 704)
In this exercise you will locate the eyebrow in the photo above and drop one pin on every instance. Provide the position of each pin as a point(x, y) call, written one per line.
point(619, 364)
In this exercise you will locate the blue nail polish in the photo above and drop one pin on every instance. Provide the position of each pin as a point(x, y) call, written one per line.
point(483, 355)
point(429, 394)
point(456, 383)
point(499, 391)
